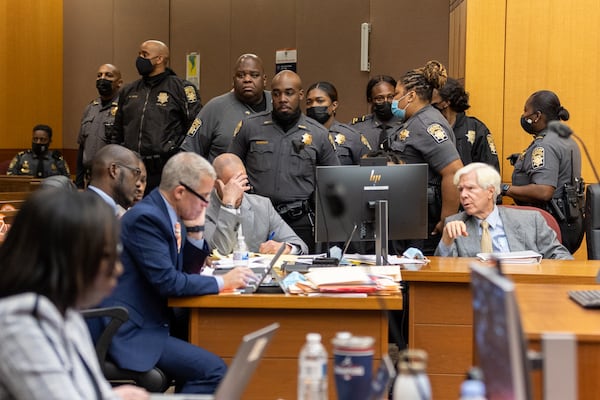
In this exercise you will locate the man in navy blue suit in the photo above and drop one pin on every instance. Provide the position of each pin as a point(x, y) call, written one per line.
point(163, 251)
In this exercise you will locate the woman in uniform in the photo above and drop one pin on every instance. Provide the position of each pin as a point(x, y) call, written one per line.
point(548, 173)
point(321, 105)
point(426, 137)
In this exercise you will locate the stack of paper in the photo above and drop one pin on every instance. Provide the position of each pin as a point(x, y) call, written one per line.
point(515, 257)
point(351, 280)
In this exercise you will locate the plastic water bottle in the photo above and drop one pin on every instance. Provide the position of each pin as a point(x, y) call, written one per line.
point(240, 251)
point(312, 369)
point(412, 382)
point(473, 387)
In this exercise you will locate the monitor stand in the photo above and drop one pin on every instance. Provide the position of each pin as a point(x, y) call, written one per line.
point(381, 232)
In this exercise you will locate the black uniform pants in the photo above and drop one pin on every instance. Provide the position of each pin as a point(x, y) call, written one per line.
point(303, 227)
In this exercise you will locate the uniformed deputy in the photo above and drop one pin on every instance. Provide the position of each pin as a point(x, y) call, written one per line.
point(98, 120)
point(212, 130)
point(321, 105)
point(426, 137)
point(474, 141)
point(378, 126)
point(548, 173)
point(281, 150)
point(154, 113)
point(39, 161)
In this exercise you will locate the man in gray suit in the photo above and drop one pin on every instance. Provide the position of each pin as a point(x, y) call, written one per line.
point(230, 206)
point(510, 229)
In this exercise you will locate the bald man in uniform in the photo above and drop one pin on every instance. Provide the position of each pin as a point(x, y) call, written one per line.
point(97, 120)
point(281, 150)
point(156, 111)
point(213, 128)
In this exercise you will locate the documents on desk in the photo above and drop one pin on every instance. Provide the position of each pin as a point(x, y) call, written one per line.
point(515, 257)
point(380, 280)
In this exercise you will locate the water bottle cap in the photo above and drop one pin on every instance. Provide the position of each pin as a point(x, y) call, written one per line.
point(313, 337)
point(472, 388)
point(412, 361)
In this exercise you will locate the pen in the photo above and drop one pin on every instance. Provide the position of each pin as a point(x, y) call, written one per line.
point(271, 236)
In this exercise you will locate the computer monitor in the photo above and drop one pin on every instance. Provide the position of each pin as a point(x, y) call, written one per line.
point(499, 338)
point(346, 196)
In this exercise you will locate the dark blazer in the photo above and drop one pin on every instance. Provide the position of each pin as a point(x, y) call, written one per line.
point(153, 271)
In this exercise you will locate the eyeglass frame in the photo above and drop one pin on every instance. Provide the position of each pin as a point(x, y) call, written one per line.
point(137, 171)
point(383, 99)
point(192, 191)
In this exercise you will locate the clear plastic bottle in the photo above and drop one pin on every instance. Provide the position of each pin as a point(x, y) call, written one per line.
point(412, 382)
point(473, 387)
point(240, 251)
point(312, 369)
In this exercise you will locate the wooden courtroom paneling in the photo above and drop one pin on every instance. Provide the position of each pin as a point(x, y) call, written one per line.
point(31, 88)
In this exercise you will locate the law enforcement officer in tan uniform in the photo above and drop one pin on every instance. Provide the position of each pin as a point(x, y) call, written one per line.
point(39, 161)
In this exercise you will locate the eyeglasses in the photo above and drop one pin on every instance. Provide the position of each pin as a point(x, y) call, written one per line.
point(382, 99)
point(136, 171)
point(192, 191)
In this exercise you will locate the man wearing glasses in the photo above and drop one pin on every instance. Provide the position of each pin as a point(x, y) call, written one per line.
point(163, 252)
point(116, 176)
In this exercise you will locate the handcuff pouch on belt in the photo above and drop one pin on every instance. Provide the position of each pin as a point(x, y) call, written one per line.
point(293, 210)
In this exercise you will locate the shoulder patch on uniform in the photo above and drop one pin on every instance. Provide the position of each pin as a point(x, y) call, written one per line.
point(340, 139)
point(404, 134)
point(365, 142)
point(491, 143)
point(194, 127)
point(238, 127)
point(437, 133)
point(362, 118)
point(537, 158)
point(307, 138)
point(190, 94)
point(471, 136)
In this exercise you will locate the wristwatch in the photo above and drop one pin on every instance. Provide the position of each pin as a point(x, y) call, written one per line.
point(197, 228)
point(504, 188)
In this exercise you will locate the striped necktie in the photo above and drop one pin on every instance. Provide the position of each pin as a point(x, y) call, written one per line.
point(177, 230)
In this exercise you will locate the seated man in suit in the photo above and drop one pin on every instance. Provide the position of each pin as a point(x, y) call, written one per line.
point(484, 227)
point(163, 250)
point(230, 207)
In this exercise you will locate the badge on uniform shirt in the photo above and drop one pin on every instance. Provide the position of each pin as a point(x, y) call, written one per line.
point(162, 98)
point(340, 139)
point(113, 110)
point(491, 143)
point(404, 133)
point(194, 128)
point(437, 133)
point(471, 137)
point(237, 128)
point(190, 93)
point(25, 169)
point(537, 158)
point(364, 141)
point(53, 167)
point(307, 139)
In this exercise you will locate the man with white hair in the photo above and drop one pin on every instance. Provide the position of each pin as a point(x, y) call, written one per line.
point(485, 227)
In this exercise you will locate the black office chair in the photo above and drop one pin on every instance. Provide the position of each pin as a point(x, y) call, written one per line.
point(154, 380)
point(592, 221)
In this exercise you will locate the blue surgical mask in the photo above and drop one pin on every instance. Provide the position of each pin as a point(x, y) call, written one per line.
point(400, 113)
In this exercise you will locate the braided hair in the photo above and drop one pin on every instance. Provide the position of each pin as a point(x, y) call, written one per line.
point(423, 80)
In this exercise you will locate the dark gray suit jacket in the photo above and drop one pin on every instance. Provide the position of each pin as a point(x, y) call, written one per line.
point(525, 230)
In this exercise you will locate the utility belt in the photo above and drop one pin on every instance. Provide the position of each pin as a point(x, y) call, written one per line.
point(294, 210)
point(568, 207)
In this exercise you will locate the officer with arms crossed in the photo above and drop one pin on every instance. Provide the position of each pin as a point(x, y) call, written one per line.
point(281, 150)
point(212, 130)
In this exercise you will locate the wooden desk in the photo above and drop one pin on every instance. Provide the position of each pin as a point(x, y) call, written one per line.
point(547, 308)
point(441, 316)
point(217, 323)
point(18, 183)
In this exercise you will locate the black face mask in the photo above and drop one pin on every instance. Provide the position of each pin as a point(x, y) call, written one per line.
point(39, 149)
point(318, 113)
point(527, 125)
point(104, 87)
point(383, 111)
point(144, 66)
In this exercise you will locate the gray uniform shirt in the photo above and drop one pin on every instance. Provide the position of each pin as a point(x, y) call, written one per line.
point(281, 165)
point(212, 130)
point(371, 127)
point(350, 145)
point(92, 133)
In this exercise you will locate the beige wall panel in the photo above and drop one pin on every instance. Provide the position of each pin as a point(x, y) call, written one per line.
point(88, 43)
point(457, 41)
point(204, 26)
point(406, 34)
point(330, 51)
point(560, 54)
point(31, 45)
point(134, 22)
point(484, 69)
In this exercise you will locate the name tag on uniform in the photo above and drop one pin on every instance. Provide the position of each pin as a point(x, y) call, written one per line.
point(262, 142)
